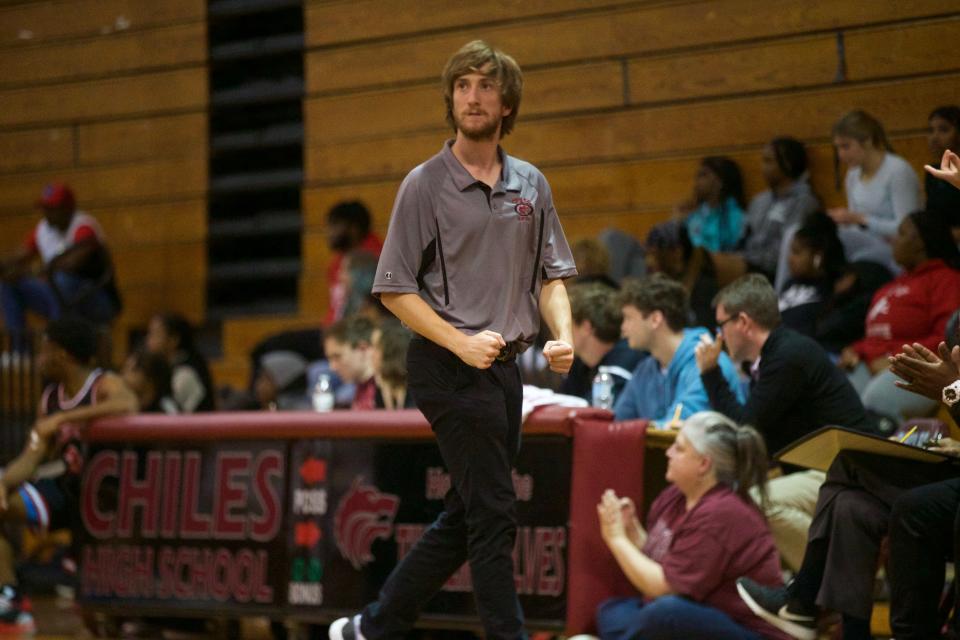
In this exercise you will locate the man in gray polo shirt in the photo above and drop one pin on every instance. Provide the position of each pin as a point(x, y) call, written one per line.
point(474, 256)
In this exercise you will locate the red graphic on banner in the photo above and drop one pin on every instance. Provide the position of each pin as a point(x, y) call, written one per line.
point(307, 534)
point(363, 515)
point(313, 470)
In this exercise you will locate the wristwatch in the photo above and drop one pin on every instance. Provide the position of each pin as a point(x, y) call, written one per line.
point(951, 394)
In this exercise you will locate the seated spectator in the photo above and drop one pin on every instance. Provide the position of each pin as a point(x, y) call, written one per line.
point(348, 228)
point(595, 309)
point(795, 389)
point(358, 270)
point(148, 376)
point(840, 560)
point(841, 320)
point(703, 532)
point(714, 217)
point(654, 312)
point(914, 307)
point(881, 188)
point(77, 274)
point(390, 344)
point(77, 393)
point(670, 252)
point(281, 383)
point(627, 255)
point(942, 198)
point(593, 263)
point(347, 344)
point(171, 336)
point(786, 204)
point(816, 262)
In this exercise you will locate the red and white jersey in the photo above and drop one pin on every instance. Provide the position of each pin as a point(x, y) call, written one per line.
point(49, 242)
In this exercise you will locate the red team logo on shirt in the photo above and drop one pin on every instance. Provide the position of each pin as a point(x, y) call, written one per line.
point(523, 207)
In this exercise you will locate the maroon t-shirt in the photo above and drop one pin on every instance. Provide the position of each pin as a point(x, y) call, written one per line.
point(705, 550)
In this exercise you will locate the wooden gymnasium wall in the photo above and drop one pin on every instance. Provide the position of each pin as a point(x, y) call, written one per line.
point(621, 97)
point(111, 97)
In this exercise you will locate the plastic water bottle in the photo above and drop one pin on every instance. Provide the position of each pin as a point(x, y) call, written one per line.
point(322, 396)
point(603, 389)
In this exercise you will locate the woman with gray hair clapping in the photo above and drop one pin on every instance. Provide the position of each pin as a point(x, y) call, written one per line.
point(704, 532)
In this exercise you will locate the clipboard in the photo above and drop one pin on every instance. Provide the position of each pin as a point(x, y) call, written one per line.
point(818, 449)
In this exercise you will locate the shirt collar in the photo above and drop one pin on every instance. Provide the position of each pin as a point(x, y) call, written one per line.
point(509, 178)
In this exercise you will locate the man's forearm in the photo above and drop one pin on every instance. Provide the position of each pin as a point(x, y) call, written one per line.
point(555, 309)
point(422, 319)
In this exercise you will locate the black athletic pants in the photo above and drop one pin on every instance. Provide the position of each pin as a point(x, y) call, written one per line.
point(476, 417)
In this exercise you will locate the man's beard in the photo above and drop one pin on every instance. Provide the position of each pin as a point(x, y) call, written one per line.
point(485, 133)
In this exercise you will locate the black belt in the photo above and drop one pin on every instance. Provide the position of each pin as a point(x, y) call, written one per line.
point(510, 351)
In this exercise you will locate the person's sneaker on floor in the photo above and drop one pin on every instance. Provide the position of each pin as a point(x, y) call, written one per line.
point(15, 612)
point(346, 629)
point(774, 605)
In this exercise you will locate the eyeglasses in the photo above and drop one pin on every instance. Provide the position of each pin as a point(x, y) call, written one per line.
point(723, 322)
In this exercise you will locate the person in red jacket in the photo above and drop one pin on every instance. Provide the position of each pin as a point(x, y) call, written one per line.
point(914, 307)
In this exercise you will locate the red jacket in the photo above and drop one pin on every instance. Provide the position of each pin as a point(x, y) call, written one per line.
point(914, 307)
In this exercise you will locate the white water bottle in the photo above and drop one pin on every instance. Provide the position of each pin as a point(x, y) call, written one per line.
point(603, 389)
point(322, 396)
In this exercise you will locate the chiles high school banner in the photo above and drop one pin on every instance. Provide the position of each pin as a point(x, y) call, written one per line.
point(296, 525)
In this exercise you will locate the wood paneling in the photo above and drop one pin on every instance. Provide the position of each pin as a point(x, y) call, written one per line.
point(159, 264)
point(339, 22)
point(378, 197)
point(47, 20)
point(179, 90)
point(126, 227)
point(756, 67)
point(179, 45)
point(156, 180)
point(167, 222)
point(903, 50)
point(158, 137)
point(656, 131)
point(314, 295)
point(141, 302)
point(627, 32)
point(373, 114)
point(47, 148)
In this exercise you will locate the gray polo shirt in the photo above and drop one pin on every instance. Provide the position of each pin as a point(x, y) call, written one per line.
point(477, 256)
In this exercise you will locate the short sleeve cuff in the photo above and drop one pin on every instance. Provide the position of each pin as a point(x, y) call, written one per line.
point(557, 274)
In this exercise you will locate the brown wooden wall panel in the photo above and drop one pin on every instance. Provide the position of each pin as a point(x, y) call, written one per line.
point(657, 131)
point(315, 252)
point(167, 222)
point(628, 32)
point(160, 263)
point(178, 45)
point(180, 90)
point(157, 137)
point(48, 20)
point(314, 295)
point(125, 226)
point(36, 149)
point(338, 22)
point(902, 50)
point(166, 179)
point(377, 196)
point(141, 302)
point(582, 87)
point(751, 68)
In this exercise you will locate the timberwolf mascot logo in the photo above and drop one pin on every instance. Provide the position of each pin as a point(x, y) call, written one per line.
point(363, 515)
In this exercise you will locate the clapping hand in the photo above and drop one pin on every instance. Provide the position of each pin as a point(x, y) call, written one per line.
point(924, 372)
point(949, 170)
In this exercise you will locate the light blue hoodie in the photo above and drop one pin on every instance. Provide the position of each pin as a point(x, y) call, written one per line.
point(654, 392)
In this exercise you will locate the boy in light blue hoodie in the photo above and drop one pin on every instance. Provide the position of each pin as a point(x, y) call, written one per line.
point(654, 314)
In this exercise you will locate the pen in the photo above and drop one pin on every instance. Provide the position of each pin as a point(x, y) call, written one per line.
point(909, 433)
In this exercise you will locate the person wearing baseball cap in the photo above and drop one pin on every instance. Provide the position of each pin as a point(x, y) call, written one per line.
point(63, 265)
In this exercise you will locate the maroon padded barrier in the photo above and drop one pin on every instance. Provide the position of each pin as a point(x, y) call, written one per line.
point(606, 455)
